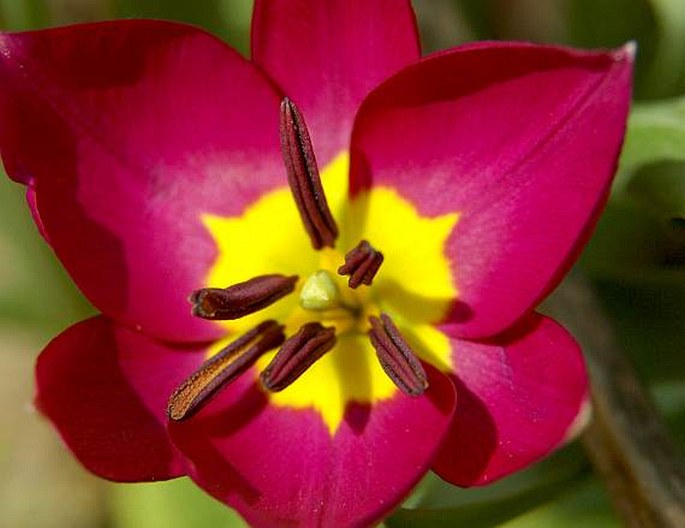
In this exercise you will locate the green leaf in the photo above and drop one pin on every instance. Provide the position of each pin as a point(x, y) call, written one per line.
point(660, 187)
point(229, 19)
point(648, 319)
point(175, 504)
point(604, 23)
point(633, 244)
point(639, 236)
point(18, 15)
point(477, 16)
point(34, 288)
point(666, 75)
point(587, 506)
point(656, 133)
point(437, 503)
point(612, 23)
point(669, 397)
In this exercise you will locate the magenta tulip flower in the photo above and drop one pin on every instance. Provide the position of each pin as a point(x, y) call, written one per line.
point(363, 235)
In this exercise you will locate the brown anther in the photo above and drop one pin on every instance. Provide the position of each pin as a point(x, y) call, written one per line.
point(396, 356)
point(361, 264)
point(304, 179)
point(241, 299)
point(297, 354)
point(223, 368)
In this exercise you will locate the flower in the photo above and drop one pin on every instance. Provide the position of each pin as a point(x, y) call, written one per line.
point(455, 190)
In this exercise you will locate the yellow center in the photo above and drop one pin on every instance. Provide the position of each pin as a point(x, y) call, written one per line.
point(414, 285)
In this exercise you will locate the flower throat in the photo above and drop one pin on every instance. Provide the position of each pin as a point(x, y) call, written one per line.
point(319, 293)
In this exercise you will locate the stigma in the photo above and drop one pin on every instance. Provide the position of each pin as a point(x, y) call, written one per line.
point(320, 292)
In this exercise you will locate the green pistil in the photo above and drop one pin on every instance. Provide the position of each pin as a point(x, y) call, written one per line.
point(320, 292)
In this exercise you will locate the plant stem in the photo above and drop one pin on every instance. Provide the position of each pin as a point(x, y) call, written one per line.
point(626, 440)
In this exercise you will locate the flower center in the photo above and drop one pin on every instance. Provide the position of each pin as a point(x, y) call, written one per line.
point(320, 292)
point(355, 329)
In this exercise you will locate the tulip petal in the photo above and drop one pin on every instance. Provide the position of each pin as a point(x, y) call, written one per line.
point(282, 467)
point(521, 141)
point(105, 388)
point(519, 398)
point(327, 56)
point(128, 132)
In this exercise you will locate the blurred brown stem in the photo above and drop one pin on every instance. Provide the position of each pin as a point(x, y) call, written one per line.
point(626, 440)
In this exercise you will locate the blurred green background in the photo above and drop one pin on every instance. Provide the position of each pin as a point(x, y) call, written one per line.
point(636, 259)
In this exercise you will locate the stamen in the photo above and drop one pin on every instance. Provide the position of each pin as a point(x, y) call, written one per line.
point(297, 354)
point(223, 368)
point(241, 299)
point(361, 264)
point(396, 356)
point(304, 179)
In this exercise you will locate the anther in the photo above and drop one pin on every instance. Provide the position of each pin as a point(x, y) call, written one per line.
point(297, 354)
point(241, 299)
point(361, 264)
point(304, 179)
point(396, 356)
point(223, 368)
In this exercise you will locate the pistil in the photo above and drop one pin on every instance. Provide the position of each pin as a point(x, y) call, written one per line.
point(361, 264)
point(297, 354)
point(304, 179)
point(319, 292)
point(241, 299)
point(223, 368)
point(396, 356)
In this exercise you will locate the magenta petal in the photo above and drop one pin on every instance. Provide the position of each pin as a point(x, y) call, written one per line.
point(327, 56)
point(521, 140)
point(281, 467)
point(105, 389)
point(128, 132)
point(519, 396)
point(32, 202)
